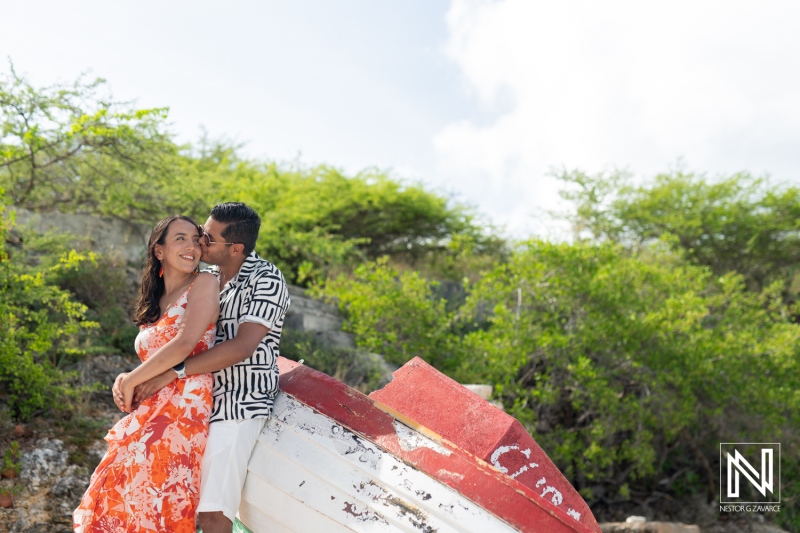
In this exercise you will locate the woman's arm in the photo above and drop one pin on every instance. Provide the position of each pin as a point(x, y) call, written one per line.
point(220, 356)
point(202, 309)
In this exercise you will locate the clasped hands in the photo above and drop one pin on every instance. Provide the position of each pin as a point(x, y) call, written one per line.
point(128, 398)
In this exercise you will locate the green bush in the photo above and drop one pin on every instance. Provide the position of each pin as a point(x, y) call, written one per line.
point(395, 314)
point(614, 360)
point(98, 281)
point(40, 327)
point(734, 223)
point(351, 366)
point(66, 147)
point(317, 220)
point(629, 369)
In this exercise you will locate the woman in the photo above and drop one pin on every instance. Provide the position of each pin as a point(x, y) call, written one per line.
point(149, 479)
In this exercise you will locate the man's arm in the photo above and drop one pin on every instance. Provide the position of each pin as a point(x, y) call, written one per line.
point(220, 356)
point(228, 353)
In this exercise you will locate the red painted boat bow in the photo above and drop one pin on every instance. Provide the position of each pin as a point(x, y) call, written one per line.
point(523, 488)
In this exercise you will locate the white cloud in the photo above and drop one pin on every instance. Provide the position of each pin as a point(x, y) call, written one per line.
point(626, 84)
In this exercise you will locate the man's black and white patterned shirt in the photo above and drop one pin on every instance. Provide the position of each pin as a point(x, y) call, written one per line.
point(257, 294)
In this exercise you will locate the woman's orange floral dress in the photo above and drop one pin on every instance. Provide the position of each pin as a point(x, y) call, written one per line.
point(149, 479)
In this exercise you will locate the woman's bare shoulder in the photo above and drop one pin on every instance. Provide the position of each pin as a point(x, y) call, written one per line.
point(205, 283)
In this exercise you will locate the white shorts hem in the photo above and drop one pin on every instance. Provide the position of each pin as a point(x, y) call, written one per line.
point(213, 507)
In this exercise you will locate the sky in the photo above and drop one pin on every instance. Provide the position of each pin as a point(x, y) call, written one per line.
point(482, 101)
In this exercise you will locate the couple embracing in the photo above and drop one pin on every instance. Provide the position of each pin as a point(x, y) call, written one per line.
point(209, 346)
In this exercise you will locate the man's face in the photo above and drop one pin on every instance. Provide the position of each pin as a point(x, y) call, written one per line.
point(217, 251)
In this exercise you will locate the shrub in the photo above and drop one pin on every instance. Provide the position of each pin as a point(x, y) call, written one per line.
point(394, 314)
point(98, 281)
point(630, 369)
point(355, 367)
point(40, 326)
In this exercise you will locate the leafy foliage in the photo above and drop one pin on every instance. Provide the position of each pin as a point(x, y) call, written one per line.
point(317, 220)
point(40, 326)
point(738, 223)
point(628, 368)
point(66, 146)
point(623, 363)
point(394, 314)
point(101, 282)
point(355, 367)
point(745, 231)
point(69, 147)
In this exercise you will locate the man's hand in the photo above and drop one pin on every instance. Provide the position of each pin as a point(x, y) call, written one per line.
point(148, 388)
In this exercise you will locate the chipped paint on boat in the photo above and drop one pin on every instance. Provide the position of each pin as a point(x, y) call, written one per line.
point(309, 473)
point(333, 460)
point(426, 399)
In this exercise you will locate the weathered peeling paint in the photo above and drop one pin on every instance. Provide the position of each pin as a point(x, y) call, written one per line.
point(336, 439)
point(435, 404)
point(450, 508)
point(347, 443)
point(495, 460)
point(452, 475)
point(411, 440)
point(363, 514)
point(573, 513)
point(348, 481)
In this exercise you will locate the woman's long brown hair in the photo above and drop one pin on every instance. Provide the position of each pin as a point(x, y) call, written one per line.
point(147, 308)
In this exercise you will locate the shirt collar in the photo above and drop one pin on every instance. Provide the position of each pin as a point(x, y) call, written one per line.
point(244, 270)
point(247, 267)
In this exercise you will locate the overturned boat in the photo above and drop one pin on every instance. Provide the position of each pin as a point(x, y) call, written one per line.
point(423, 454)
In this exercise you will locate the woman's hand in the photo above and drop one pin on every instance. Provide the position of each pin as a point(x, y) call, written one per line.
point(126, 389)
point(116, 391)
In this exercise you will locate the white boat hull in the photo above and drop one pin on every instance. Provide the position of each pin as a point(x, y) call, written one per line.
point(333, 460)
point(310, 474)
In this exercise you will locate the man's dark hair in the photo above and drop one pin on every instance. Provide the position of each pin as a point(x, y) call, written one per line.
point(243, 223)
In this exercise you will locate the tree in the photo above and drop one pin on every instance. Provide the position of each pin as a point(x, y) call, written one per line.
point(734, 224)
point(396, 314)
point(318, 220)
point(67, 147)
point(627, 367)
point(630, 368)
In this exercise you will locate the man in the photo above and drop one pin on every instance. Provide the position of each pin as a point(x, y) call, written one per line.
point(254, 298)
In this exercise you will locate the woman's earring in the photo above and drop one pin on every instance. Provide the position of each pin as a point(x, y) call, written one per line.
point(161, 272)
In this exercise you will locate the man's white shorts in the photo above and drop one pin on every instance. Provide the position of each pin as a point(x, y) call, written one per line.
point(224, 467)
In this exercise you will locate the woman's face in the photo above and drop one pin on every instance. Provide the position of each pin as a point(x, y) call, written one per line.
point(181, 248)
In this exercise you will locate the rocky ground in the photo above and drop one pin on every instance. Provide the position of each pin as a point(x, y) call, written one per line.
point(55, 462)
point(55, 459)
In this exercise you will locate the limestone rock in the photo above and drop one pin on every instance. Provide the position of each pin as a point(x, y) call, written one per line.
point(43, 464)
point(68, 490)
point(104, 369)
